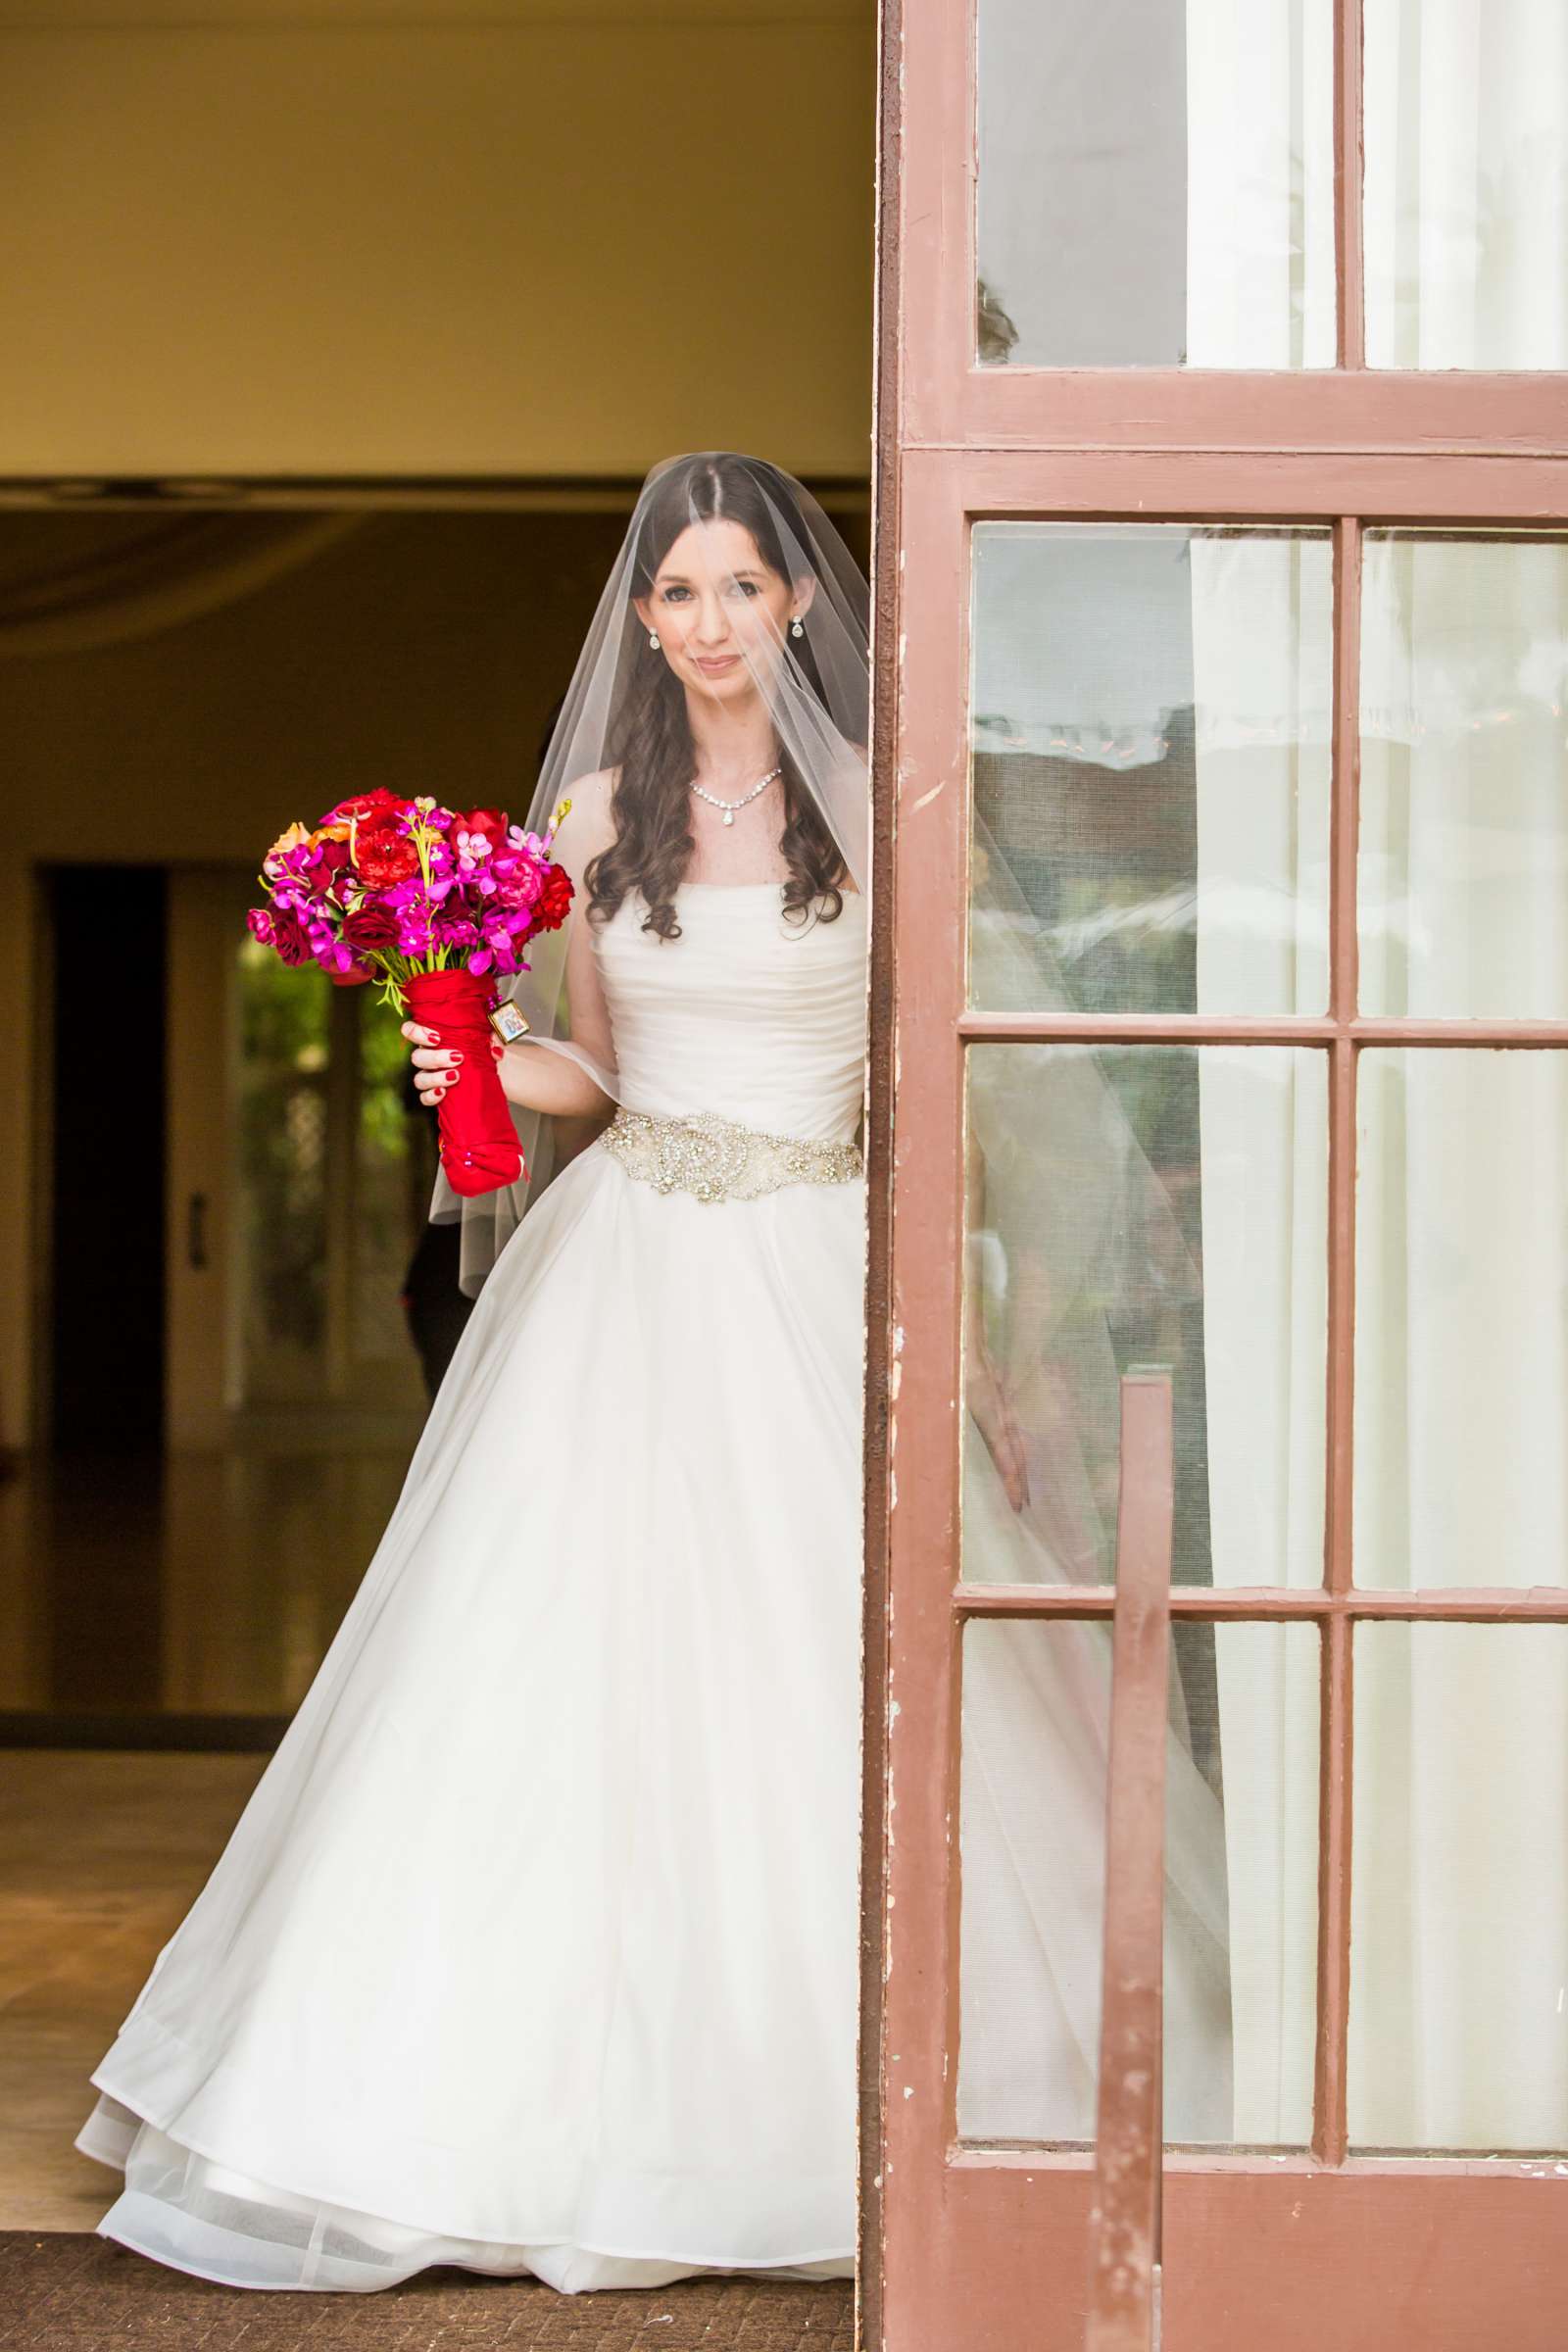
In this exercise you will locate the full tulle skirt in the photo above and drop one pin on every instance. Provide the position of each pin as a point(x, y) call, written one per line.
point(535, 1947)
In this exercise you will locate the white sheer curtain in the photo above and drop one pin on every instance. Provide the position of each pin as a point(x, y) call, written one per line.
point(1261, 665)
point(1460, 1912)
point(1261, 184)
point(1460, 1901)
point(1466, 186)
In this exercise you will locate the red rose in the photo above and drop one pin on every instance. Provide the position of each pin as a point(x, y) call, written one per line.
point(370, 929)
point(383, 854)
point(488, 821)
point(288, 937)
point(379, 803)
point(554, 900)
point(333, 866)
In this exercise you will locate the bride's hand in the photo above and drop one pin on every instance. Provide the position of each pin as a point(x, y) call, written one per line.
point(435, 1068)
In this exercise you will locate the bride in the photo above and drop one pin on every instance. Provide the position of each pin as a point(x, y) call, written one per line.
point(535, 1947)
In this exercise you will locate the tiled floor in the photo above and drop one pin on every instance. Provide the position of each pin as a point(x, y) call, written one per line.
point(190, 1584)
point(100, 1857)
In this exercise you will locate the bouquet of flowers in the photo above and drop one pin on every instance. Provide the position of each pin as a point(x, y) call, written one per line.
point(433, 904)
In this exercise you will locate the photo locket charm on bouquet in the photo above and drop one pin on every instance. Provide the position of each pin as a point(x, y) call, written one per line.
point(509, 1023)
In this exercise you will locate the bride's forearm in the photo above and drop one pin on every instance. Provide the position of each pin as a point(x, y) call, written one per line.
point(537, 1079)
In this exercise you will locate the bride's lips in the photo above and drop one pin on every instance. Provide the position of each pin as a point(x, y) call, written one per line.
point(718, 661)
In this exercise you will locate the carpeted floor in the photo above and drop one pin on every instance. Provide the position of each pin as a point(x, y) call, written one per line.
point(63, 2292)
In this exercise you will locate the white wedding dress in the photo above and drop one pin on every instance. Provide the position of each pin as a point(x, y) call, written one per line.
point(535, 1947)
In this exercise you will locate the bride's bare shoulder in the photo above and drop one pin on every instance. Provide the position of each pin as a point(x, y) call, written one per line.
point(591, 825)
point(593, 792)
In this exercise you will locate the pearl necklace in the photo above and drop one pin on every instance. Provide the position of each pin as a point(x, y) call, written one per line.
point(729, 807)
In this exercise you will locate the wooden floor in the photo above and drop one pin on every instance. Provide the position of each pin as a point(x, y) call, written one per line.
point(100, 1857)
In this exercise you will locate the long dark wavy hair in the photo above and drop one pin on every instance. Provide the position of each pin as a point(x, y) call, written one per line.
point(650, 736)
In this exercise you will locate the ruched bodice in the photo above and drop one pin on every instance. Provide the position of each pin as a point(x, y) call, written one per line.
point(749, 1015)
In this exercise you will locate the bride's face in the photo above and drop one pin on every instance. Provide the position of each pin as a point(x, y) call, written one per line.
point(720, 612)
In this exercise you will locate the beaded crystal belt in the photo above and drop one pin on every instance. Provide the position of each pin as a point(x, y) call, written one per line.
point(715, 1159)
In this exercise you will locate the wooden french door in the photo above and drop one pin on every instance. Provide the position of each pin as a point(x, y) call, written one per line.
point(1222, 979)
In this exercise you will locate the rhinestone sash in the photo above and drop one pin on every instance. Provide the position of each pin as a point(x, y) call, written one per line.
point(716, 1159)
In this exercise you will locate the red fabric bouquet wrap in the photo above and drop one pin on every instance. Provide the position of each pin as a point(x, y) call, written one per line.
point(479, 1147)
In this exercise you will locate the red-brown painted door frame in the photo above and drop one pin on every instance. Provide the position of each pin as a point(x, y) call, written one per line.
point(987, 2248)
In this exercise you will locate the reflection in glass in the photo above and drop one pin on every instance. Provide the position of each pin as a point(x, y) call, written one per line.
point(1156, 184)
point(1240, 1895)
point(1461, 1334)
point(1144, 1205)
point(1459, 1902)
point(1466, 183)
point(283, 1157)
point(1464, 776)
point(1150, 767)
point(333, 1193)
point(392, 1189)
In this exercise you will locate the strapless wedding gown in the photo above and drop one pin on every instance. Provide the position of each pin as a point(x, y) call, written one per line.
point(535, 1947)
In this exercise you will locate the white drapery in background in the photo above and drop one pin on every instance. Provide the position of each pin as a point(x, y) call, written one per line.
point(1466, 183)
point(1260, 184)
point(1460, 1913)
point(1260, 648)
point(1461, 1901)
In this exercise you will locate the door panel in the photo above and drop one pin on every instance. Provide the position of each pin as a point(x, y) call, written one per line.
point(298, 1177)
point(205, 917)
point(1150, 767)
point(1225, 922)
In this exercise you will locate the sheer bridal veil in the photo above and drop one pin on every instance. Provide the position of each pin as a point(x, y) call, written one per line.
point(625, 718)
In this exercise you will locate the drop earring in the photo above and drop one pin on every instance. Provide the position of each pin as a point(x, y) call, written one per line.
point(797, 627)
point(653, 639)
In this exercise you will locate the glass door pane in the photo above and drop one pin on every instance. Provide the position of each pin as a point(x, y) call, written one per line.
point(1156, 184)
point(1151, 750)
point(1465, 195)
point(333, 1191)
point(1144, 1205)
point(1461, 1338)
point(1459, 1926)
point(1241, 1882)
point(1463, 881)
point(283, 1157)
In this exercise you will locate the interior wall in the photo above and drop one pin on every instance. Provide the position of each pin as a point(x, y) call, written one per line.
point(435, 236)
